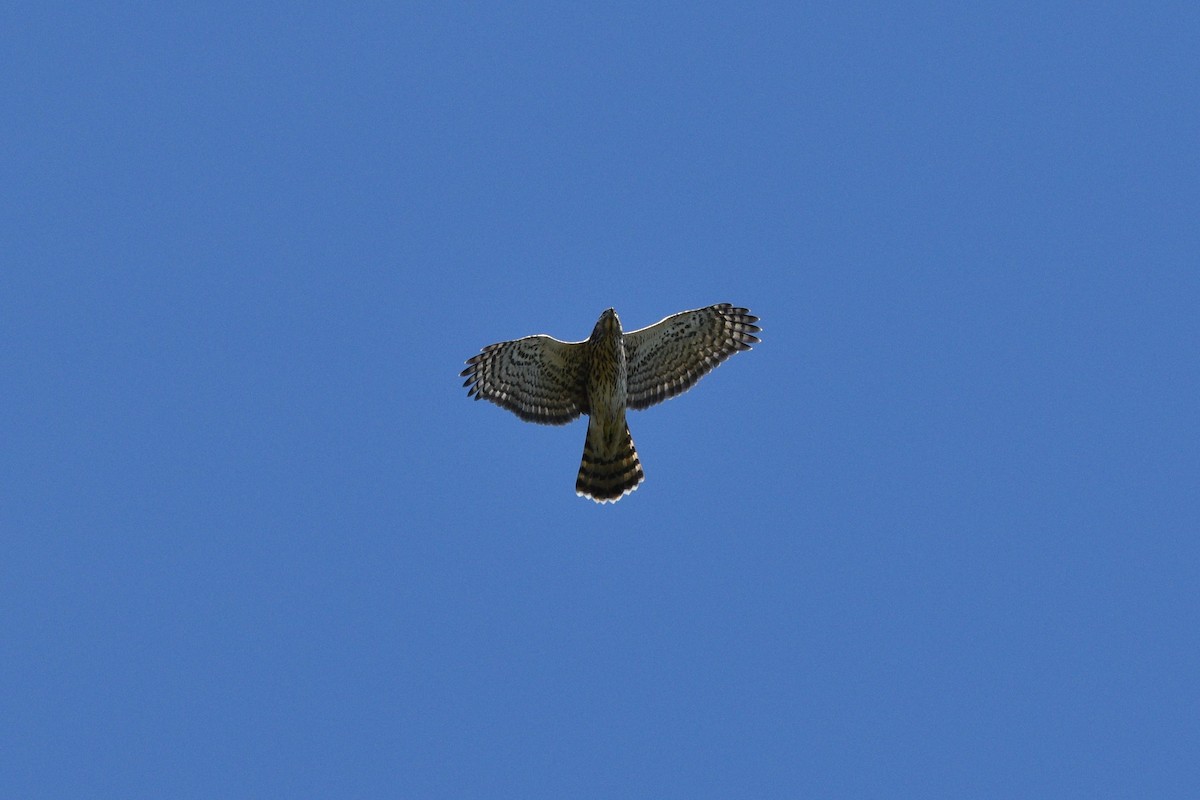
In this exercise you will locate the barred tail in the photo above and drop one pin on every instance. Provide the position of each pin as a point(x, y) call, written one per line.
point(610, 468)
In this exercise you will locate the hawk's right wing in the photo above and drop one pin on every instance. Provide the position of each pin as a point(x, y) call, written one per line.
point(668, 357)
point(538, 378)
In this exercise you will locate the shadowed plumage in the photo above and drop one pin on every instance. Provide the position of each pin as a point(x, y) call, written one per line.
point(541, 379)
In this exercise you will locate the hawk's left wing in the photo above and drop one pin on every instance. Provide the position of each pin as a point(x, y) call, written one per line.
point(538, 378)
point(668, 357)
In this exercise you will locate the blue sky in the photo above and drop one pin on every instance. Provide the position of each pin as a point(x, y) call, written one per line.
point(935, 537)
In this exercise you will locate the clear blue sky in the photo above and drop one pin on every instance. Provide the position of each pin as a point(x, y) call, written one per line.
point(936, 537)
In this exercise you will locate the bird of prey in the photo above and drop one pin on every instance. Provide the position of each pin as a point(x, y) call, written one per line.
point(541, 379)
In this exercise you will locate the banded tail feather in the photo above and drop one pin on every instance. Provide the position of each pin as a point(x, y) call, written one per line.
point(610, 468)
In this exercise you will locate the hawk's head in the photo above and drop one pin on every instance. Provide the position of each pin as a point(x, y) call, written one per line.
point(608, 324)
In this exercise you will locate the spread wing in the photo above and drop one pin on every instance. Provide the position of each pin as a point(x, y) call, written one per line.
point(538, 378)
point(668, 357)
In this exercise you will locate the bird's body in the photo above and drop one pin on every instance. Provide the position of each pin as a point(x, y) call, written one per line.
point(610, 467)
point(544, 380)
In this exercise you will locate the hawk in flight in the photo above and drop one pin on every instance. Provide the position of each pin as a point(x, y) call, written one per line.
point(541, 379)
